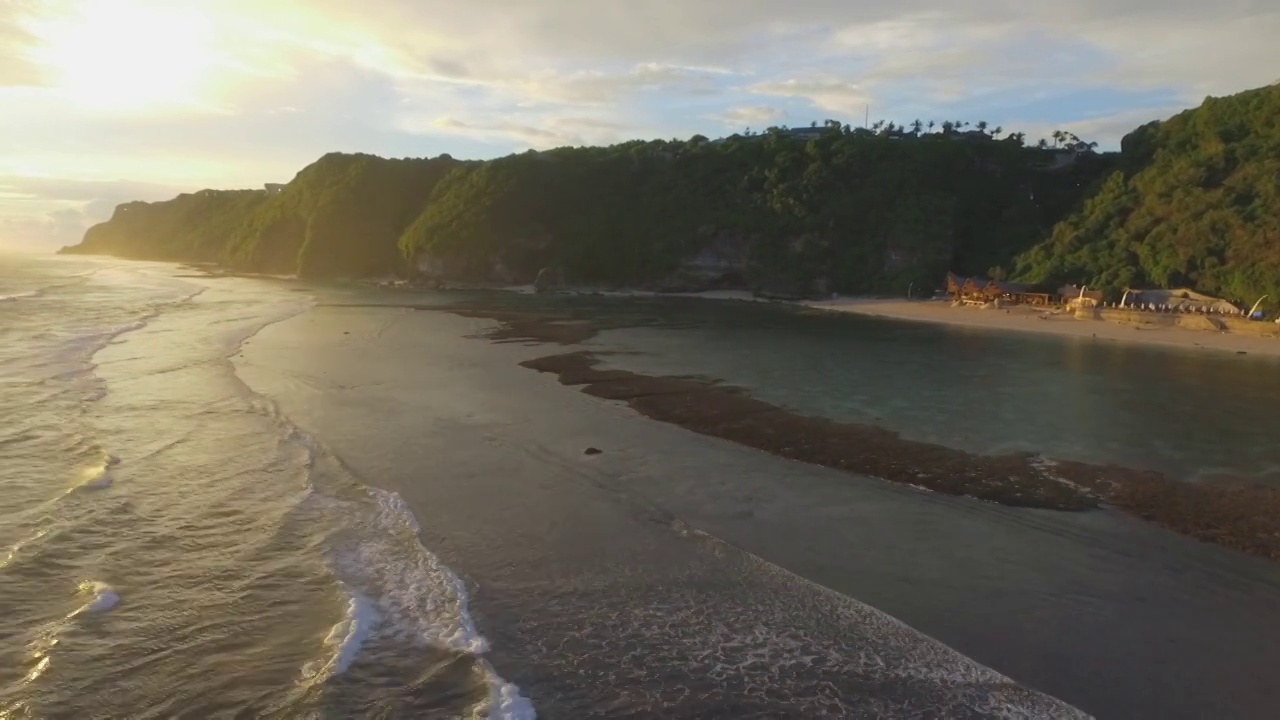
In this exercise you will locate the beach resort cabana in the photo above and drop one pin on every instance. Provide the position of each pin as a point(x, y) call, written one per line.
point(1017, 293)
point(1072, 296)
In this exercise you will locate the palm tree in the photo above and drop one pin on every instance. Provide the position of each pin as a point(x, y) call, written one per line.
point(982, 126)
point(947, 127)
point(915, 126)
point(931, 124)
point(1043, 144)
point(996, 133)
point(1058, 136)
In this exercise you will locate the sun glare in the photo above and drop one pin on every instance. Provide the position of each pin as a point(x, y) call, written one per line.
point(127, 56)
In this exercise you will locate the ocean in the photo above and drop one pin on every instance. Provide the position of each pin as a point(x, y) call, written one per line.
point(232, 497)
point(172, 546)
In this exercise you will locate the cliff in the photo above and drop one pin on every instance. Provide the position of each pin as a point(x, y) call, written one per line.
point(1191, 201)
point(1195, 202)
point(339, 217)
point(838, 210)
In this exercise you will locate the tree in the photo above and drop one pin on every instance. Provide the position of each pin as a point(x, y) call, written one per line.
point(1058, 137)
point(996, 133)
point(948, 127)
point(997, 273)
point(916, 126)
point(931, 125)
point(982, 126)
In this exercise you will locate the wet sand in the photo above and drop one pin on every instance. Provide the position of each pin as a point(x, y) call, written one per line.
point(1115, 615)
point(1147, 328)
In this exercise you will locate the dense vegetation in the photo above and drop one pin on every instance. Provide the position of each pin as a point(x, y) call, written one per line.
point(1195, 203)
point(1191, 201)
point(193, 226)
point(842, 209)
point(340, 217)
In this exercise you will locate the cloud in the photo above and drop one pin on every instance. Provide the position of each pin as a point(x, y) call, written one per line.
point(1106, 130)
point(837, 96)
point(63, 189)
point(750, 116)
point(46, 211)
point(596, 87)
point(16, 70)
point(535, 137)
point(293, 79)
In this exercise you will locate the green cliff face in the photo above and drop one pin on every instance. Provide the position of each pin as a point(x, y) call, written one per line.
point(340, 217)
point(190, 227)
point(1195, 203)
point(844, 211)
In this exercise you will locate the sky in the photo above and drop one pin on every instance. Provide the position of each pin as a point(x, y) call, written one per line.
point(107, 101)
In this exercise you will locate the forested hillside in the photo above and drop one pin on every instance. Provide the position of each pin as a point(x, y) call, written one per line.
point(340, 217)
point(1196, 203)
point(841, 210)
point(1191, 201)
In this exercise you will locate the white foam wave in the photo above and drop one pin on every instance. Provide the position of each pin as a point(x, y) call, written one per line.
point(104, 598)
point(98, 476)
point(505, 701)
point(346, 638)
point(20, 296)
point(416, 597)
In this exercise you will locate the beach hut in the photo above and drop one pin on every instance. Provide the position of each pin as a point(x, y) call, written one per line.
point(974, 289)
point(1017, 293)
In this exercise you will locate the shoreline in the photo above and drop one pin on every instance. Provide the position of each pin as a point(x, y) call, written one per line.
point(1140, 328)
point(1135, 328)
point(1127, 327)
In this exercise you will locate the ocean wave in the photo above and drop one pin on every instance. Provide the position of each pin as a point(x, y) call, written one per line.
point(104, 598)
point(345, 639)
point(17, 548)
point(21, 296)
point(389, 575)
point(97, 476)
point(505, 701)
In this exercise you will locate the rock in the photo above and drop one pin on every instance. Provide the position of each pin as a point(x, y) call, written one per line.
point(549, 280)
point(593, 451)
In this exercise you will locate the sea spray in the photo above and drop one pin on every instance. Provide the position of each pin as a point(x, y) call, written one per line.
point(345, 639)
point(103, 598)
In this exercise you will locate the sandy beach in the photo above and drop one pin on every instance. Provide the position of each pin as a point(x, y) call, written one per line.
point(1126, 327)
point(1107, 612)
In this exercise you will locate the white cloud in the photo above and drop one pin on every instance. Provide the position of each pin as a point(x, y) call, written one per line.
point(838, 96)
point(1106, 130)
point(292, 79)
point(535, 137)
point(757, 116)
